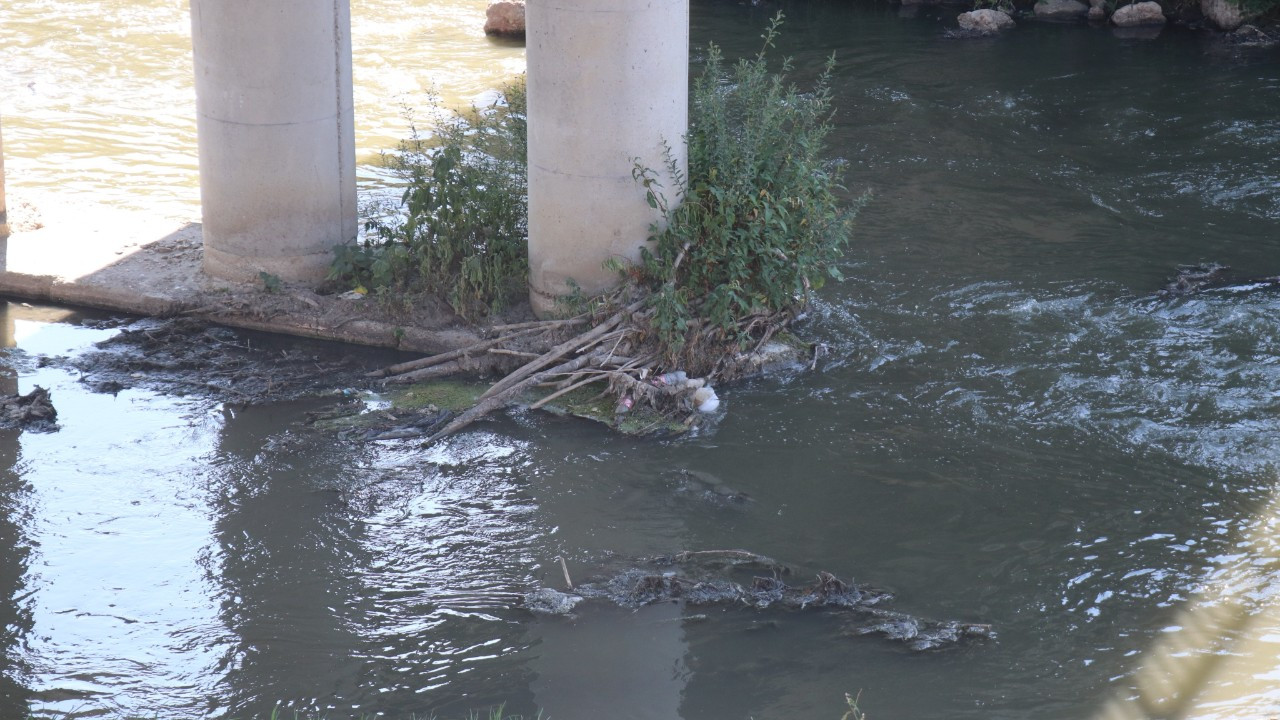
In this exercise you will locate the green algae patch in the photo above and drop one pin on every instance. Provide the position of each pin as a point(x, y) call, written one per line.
point(407, 410)
point(399, 411)
point(454, 395)
point(591, 402)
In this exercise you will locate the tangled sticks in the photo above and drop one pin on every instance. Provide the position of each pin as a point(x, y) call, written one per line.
point(618, 350)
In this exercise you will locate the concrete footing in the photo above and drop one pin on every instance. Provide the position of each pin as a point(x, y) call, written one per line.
point(69, 252)
point(608, 89)
point(276, 135)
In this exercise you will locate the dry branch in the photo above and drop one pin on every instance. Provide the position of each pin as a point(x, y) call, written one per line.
point(426, 362)
point(543, 324)
point(565, 390)
point(502, 398)
point(461, 365)
point(559, 351)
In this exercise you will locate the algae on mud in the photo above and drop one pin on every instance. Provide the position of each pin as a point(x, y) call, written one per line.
point(417, 410)
point(186, 357)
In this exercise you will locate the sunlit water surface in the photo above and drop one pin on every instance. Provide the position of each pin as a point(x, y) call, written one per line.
point(1009, 429)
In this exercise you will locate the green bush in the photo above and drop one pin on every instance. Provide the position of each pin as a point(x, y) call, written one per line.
point(462, 231)
point(761, 222)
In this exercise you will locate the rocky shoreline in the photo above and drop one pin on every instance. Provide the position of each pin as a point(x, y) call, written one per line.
point(1144, 18)
point(1245, 26)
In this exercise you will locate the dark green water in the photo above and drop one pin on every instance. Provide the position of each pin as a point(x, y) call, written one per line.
point(1009, 429)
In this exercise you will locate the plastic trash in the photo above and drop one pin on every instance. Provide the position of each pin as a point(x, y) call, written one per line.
point(671, 378)
point(624, 405)
point(705, 400)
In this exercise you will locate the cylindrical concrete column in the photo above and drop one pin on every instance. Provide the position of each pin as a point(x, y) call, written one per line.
point(608, 85)
point(276, 135)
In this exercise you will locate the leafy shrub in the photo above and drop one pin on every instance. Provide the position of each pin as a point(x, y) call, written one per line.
point(762, 222)
point(463, 227)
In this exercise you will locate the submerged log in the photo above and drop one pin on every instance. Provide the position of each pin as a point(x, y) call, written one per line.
point(1194, 279)
point(707, 578)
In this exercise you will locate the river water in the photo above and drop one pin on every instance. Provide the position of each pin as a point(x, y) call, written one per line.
point(1010, 428)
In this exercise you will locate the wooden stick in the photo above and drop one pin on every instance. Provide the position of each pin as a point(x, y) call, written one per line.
point(565, 569)
point(503, 397)
point(513, 353)
point(436, 371)
point(451, 355)
point(586, 381)
point(541, 324)
point(560, 351)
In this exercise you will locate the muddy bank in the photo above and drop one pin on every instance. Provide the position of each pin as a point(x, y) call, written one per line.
point(187, 357)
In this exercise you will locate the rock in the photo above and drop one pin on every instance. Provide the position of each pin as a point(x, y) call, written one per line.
point(1097, 13)
point(1060, 10)
point(1250, 36)
point(1222, 14)
point(1141, 13)
point(505, 17)
point(986, 21)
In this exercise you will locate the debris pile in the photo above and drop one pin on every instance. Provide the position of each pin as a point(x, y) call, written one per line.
point(705, 578)
point(33, 411)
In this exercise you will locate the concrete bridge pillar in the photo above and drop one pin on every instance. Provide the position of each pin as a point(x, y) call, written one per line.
point(276, 136)
point(608, 84)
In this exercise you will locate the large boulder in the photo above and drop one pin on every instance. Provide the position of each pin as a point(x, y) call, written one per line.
point(986, 21)
point(1060, 10)
point(1223, 14)
point(505, 17)
point(1140, 13)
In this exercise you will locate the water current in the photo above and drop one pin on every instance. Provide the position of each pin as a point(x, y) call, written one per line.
point(1010, 428)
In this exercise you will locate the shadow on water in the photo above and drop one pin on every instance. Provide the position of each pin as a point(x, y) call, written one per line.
point(284, 543)
point(15, 545)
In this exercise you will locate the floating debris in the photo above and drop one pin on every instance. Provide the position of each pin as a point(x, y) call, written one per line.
point(701, 578)
point(1194, 278)
point(33, 411)
point(546, 601)
point(707, 487)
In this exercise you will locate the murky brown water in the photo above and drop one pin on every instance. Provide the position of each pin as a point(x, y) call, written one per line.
point(1011, 429)
point(98, 98)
